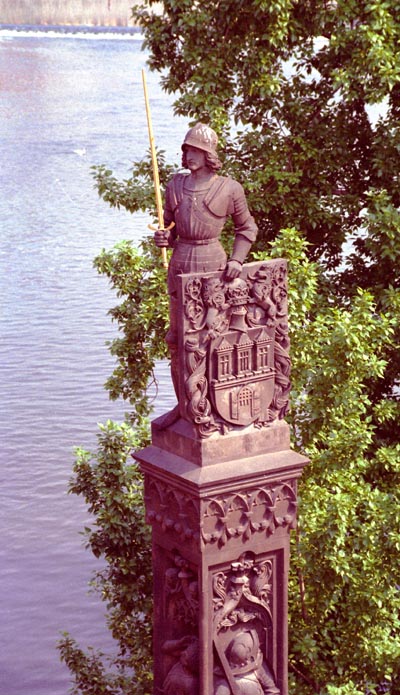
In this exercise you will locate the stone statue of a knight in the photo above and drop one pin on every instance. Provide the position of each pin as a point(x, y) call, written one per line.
point(199, 203)
point(220, 477)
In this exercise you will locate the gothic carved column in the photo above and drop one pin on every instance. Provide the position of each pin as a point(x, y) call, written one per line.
point(221, 491)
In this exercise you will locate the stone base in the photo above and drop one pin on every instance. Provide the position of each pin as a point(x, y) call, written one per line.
point(221, 511)
point(181, 439)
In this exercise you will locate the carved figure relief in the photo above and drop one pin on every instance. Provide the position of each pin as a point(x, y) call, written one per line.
point(242, 628)
point(181, 593)
point(180, 608)
point(235, 344)
point(183, 676)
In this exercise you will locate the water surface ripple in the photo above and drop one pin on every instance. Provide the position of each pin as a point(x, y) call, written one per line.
point(66, 103)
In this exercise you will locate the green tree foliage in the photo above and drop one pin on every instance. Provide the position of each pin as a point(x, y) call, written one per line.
point(344, 599)
point(111, 485)
point(296, 78)
point(142, 319)
point(290, 88)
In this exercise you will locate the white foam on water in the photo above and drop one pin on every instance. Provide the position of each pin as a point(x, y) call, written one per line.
point(87, 33)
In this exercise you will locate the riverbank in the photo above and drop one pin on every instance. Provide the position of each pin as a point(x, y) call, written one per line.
point(76, 30)
point(93, 13)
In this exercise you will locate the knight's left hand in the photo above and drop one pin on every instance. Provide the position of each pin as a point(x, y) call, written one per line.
point(233, 269)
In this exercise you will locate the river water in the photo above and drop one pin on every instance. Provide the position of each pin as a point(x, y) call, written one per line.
point(66, 102)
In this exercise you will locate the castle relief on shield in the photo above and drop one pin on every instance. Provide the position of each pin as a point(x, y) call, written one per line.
point(235, 363)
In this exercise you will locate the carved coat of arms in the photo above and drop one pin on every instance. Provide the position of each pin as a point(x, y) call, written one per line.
point(234, 346)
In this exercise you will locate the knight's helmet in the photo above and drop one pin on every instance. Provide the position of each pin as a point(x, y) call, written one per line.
point(203, 137)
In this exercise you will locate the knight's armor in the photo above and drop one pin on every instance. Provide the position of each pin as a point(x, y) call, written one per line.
point(199, 218)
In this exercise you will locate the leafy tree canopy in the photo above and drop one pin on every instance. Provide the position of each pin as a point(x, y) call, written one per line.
point(295, 78)
point(305, 96)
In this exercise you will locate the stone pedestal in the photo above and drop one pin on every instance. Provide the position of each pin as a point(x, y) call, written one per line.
point(221, 491)
point(220, 555)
